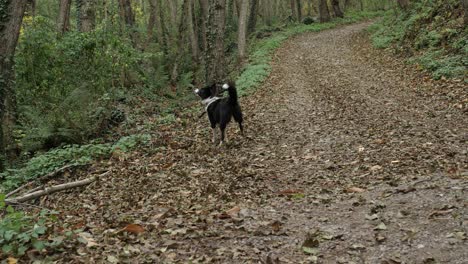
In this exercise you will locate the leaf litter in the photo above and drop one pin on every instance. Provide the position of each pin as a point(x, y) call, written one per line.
point(341, 138)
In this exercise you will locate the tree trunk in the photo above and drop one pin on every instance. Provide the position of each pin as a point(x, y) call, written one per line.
point(204, 20)
point(267, 8)
point(173, 12)
point(180, 41)
point(193, 31)
point(252, 17)
point(323, 10)
point(309, 8)
point(10, 24)
point(347, 5)
point(299, 10)
point(126, 13)
point(215, 63)
point(242, 31)
point(293, 10)
point(86, 15)
point(465, 9)
point(63, 22)
point(403, 4)
point(336, 8)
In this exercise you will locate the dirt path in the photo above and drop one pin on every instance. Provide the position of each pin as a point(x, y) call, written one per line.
point(345, 153)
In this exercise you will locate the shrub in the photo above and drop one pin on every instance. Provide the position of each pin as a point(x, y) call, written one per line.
point(20, 232)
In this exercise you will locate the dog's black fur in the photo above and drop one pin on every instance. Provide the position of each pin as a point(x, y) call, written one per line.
point(222, 110)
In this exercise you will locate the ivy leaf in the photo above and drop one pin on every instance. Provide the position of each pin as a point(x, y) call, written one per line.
point(39, 245)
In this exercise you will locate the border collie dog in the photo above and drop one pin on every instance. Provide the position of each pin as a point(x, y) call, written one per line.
point(221, 110)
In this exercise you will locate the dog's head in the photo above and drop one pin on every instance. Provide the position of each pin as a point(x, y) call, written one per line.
point(206, 92)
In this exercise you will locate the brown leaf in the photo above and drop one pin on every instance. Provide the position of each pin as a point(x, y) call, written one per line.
point(233, 211)
point(134, 228)
point(355, 190)
point(290, 192)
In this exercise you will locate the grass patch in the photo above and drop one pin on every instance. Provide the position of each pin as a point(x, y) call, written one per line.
point(71, 154)
point(431, 34)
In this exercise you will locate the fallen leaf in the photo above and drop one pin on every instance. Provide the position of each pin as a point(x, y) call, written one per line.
point(372, 217)
point(12, 260)
point(112, 259)
point(310, 250)
point(233, 211)
point(381, 226)
point(355, 190)
point(291, 192)
point(87, 239)
point(134, 228)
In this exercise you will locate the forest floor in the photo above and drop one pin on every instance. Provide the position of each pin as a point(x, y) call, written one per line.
point(350, 156)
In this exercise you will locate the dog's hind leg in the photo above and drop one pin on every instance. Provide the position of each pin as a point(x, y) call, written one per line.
point(237, 114)
point(223, 134)
point(214, 135)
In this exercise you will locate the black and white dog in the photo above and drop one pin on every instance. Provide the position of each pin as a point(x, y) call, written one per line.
point(221, 110)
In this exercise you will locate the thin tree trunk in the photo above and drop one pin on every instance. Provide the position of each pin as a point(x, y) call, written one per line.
point(465, 9)
point(86, 15)
point(215, 61)
point(347, 5)
point(204, 20)
point(267, 12)
point(323, 10)
point(10, 25)
point(309, 8)
point(63, 22)
point(336, 8)
point(293, 10)
point(180, 42)
point(126, 13)
point(299, 10)
point(173, 12)
point(403, 4)
point(242, 31)
point(252, 17)
point(193, 31)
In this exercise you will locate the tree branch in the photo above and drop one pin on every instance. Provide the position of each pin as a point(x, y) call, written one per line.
point(53, 189)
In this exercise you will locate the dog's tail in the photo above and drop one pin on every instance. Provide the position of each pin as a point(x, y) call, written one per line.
point(231, 88)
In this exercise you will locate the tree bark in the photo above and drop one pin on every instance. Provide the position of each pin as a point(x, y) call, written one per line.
point(252, 17)
point(204, 20)
point(215, 62)
point(323, 10)
point(336, 8)
point(86, 15)
point(54, 189)
point(293, 10)
point(403, 4)
point(126, 13)
point(11, 17)
point(242, 31)
point(299, 10)
point(465, 10)
point(63, 22)
point(193, 31)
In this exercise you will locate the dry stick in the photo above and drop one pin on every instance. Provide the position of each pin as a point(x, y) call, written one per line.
point(43, 178)
point(53, 189)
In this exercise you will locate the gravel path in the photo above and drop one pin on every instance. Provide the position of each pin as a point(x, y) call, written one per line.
point(351, 157)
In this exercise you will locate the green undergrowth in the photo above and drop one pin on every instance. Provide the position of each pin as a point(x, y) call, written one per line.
point(431, 34)
point(261, 51)
point(68, 155)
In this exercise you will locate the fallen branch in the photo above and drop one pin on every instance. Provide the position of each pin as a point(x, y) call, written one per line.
point(42, 178)
point(53, 189)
